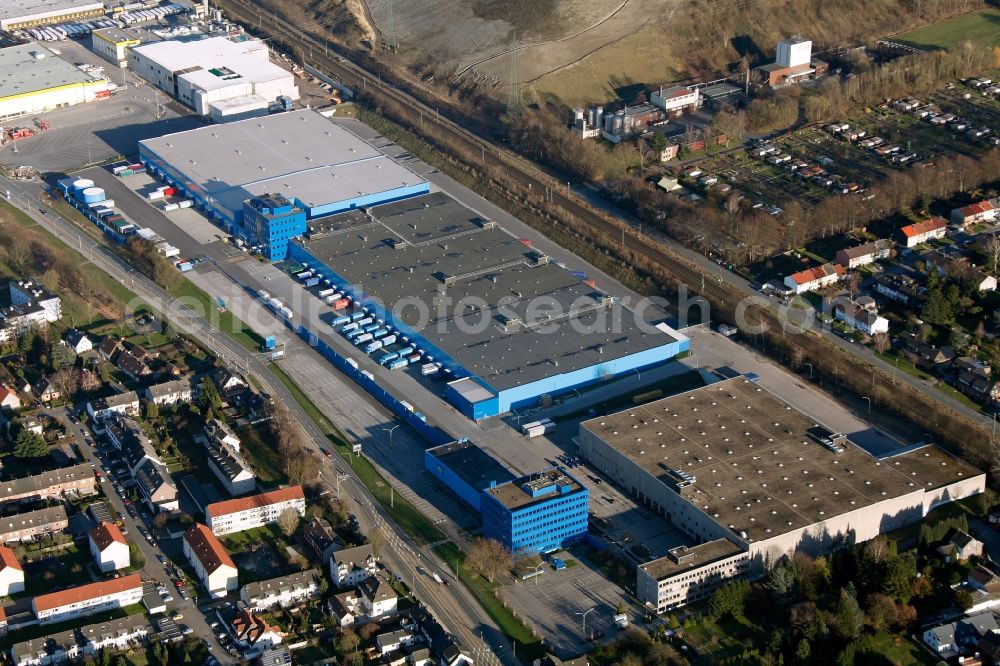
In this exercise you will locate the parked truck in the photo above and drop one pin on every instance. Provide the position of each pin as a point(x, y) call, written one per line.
point(388, 358)
point(311, 282)
point(361, 339)
point(372, 346)
point(323, 293)
point(389, 339)
point(398, 363)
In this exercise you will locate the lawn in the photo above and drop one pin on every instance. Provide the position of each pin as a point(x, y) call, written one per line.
point(982, 27)
point(902, 365)
point(724, 638)
point(896, 650)
point(264, 456)
point(528, 646)
point(37, 579)
point(227, 323)
point(416, 524)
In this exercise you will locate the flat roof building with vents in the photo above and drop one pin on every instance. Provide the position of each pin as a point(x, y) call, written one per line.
point(33, 79)
point(317, 165)
point(17, 14)
point(465, 469)
point(202, 73)
point(731, 461)
point(507, 323)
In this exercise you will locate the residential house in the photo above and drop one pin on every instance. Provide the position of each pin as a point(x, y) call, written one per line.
point(989, 648)
point(45, 390)
point(87, 599)
point(109, 547)
point(252, 631)
point(9, 398)
point(78, 341)
point(984, 580)
point(210, 560)
point(812, 279)
point(85, 642)
point(16, 320)
point(236, 515)
point(126, 435)
point(860, 317)
point(914, 234)
point(319, 534)
point(960, 547)
point(862, 255)
point(345, 608)
point(278, 655)
point(11, 573)
point(33, 524)
point(156, 487)
point(923, 355)
point(284, 591)
point(953, 637)
point(29, 292)
point(77, 480)
point(120, 403)
point(132, 364)
point(227, 382)
point(979, 385)
point(352, 566)
point(981, 211)
point(226, 461)
point(377, 597)
point(170, 393)
point(109, 348)
point(393, 641)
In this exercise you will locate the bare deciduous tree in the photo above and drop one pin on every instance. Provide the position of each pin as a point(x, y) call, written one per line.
point(288, 521)
point(489, 558)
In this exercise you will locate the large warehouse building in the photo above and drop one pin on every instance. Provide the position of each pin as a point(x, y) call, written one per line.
point(319, 166)
point(511, 326)
point(749, 479)
point(33, 80)
point(17, 14)
point(208, 74)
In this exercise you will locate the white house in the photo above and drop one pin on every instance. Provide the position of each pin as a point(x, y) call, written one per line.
point(9, 398)
point(226, 461)
point(285, 591)
point(210, 560)
point(815, 278)
point(921, 232)
point(245, 513)
point(120, 403)
point(981, 211)
point(87, 599)
point(11, 573)
point(109, 547)
point(252, 631)
point(947, 639)
point(351, 566)
point(377, 597)
point(861, 318)
point(170, 393)
point(29, 292)
point(78, 341)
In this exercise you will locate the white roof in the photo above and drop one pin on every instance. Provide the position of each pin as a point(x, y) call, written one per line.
point(246, 59)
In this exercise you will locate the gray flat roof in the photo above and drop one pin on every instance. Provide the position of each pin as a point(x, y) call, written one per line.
point(470, 463)
point(21, 72)
point(514, 496)
point(430, 247)
point(301, 154)
point(756, 467)
point(686, 558)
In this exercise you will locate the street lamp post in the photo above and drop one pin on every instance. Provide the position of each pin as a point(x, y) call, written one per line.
point(810, 369)
point(864, 397)
point(389, 430)
point(584, 614)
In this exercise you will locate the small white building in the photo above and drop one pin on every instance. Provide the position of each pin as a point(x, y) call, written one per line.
point(210, 560)
point(812, 279)
point(109, 547)
point(914, 234)
point(864, 318)
point(677, 99)
point(78, 341)
point(122, 403)
point(377, 597)
point(11, 573)
point(170, 393)
point(351, 566)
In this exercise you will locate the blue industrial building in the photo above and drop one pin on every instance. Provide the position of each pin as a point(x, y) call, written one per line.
point(539, 513)
point(465, 469)
point(321, 167)
point(270, 221)
point(433, 254)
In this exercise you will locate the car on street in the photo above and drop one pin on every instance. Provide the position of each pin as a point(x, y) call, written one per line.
point(178, 584)
point(184, 595)
point(185, 630)
point(161, 559)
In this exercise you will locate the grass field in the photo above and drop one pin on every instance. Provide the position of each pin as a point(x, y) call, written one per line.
point(982, 27)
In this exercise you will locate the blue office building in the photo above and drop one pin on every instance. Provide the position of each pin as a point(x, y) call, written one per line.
point(538, 513)
point(270, 221)
point(466, 470)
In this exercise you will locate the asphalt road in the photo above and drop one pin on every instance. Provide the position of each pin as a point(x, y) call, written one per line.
point(453, 605)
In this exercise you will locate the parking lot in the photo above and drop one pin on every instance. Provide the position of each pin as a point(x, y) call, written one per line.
point(91, 133)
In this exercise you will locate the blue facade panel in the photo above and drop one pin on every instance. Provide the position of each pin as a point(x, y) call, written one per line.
point(540, 527)
point(452, 481)
point(272, 228)
point(370, 200)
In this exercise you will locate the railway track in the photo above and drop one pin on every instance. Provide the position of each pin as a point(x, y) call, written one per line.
point(723, 295)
